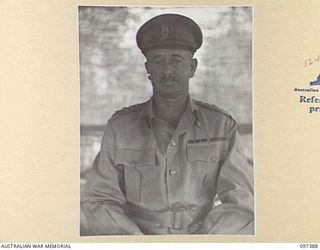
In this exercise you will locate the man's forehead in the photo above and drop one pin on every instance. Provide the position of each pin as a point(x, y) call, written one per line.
point(168, 52)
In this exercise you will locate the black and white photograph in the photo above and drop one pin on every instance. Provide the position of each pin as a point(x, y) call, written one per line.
point(130, 124)
point(166, 120)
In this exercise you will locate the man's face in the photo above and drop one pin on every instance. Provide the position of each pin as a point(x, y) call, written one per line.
point(170, 70)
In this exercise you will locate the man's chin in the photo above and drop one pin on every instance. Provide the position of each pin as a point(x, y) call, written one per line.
point(169, 94)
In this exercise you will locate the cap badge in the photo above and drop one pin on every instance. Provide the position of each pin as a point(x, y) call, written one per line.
point(164, 32)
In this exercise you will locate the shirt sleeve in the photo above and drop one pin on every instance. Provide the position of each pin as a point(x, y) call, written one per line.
point(103, 199)
point(235, 214)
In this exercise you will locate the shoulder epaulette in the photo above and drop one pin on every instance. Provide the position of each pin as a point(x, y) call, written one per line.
point(130, 109)
point(213, 107)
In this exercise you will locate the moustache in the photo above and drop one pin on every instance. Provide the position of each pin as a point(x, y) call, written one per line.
point(167, 79)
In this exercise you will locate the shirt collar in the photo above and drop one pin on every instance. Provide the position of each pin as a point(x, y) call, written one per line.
point(191, 108)
point(149, 112)
point(194, 111)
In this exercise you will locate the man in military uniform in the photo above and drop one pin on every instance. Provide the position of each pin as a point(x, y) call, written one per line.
point(163, 163)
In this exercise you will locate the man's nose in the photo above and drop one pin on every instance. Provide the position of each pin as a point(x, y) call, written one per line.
point(167, 67)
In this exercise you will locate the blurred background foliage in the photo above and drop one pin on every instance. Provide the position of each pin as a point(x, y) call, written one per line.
point(112, 73)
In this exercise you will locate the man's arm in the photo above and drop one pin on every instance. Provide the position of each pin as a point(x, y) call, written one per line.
point(235, 214)
point(103, 198)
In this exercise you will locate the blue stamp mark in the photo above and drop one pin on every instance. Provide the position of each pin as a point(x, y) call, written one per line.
point(316, 82)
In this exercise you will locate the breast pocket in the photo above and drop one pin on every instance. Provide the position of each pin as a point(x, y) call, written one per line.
point(138, 165)
point(204, 159)
point(204, 153)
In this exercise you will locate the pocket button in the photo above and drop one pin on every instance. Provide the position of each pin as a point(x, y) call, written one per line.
point(172, 172)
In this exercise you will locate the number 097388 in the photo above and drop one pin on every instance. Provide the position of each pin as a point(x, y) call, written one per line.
point(308, 245)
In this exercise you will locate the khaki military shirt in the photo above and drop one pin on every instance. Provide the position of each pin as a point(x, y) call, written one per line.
point(152, 179)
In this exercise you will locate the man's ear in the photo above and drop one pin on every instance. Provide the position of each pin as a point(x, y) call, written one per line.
point(146, 65)
point(194, 64)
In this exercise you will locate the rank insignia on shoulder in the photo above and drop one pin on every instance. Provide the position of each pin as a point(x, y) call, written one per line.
point(208, 140)
point(129, 109)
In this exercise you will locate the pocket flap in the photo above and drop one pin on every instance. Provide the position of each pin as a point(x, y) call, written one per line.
point(135, 157)
point(202, 152)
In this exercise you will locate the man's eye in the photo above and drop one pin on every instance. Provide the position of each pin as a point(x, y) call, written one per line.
point(177, 61)
point(156, 61)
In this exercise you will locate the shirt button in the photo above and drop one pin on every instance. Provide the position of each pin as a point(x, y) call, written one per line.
point(172, 172)
point(173, 143)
